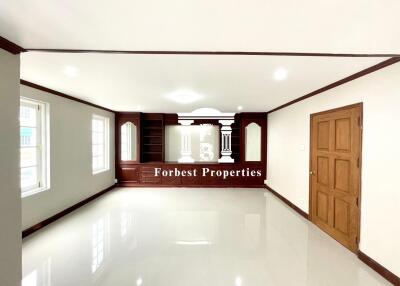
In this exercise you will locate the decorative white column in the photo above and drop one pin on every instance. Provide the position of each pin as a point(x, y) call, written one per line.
point(186, 149)
point(226, 145)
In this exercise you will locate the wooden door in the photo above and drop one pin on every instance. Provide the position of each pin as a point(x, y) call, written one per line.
point(335, 173)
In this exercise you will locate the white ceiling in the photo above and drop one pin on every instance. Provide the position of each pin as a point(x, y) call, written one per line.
point(332, 26)
point(144, 82)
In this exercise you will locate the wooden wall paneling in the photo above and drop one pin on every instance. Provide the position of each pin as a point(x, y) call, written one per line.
point(234, 180)
point(191, 180)
point(215, 180)
point(170, 119)
point(206, 121)
point(171, 180)
point(147, 175)
point(151, 154)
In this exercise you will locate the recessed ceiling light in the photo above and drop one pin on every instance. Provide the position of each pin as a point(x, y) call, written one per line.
point(71, 71)
point(238, 281)
point(240, 107)
point(139, 281)
point(280, 74)
point(184, 96)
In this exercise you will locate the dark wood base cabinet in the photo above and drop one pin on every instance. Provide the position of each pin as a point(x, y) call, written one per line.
point(191, 175)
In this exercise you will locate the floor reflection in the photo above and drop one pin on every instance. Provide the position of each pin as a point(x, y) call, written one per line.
point(184, 237)
point(98, 244)
point(40, 275)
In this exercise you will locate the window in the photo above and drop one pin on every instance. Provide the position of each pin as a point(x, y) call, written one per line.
point(34, 151)
point(100, 144)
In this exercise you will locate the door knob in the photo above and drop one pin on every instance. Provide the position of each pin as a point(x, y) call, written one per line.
point(312, 172)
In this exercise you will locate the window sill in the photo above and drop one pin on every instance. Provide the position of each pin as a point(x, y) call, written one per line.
point(34, 192)
point(100, 171)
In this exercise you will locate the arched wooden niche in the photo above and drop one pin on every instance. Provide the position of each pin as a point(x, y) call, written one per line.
point(128, 141)
point(253, 142)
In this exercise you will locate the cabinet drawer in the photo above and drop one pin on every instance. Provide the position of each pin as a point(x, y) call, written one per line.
point(147, 175)
point(129, 174)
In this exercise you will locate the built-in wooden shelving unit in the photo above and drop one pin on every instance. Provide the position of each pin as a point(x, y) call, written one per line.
point(152, 137)
point(151, 144)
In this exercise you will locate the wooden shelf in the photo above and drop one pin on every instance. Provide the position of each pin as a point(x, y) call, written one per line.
point(153, 137)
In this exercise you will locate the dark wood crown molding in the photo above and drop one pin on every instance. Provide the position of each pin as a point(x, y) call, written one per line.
point(10, 46)
point(52, 91)
point(216, 53)
point(359, 74)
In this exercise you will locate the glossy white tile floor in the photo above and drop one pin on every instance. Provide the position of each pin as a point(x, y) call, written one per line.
point(189, 237)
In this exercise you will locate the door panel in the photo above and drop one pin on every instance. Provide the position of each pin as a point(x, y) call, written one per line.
point(323, 170)
point(342, 175)
point(342, 216)
point(323, 135)
point(322, 206)
point(343, 134)
point(335, 173)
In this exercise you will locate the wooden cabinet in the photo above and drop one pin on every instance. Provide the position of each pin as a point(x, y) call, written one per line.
point(145, 175)
point(150, 155)
point(172, 180)
point(129, 173)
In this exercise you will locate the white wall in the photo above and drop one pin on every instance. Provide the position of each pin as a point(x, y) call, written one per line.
point(10, 201)
point(288, 157)
point(71, 179)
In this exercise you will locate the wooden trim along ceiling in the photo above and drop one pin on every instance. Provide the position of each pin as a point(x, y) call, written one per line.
point(210, 53)
point(52, 91)
point(10, 46)
point(359, 74)
point(16, 49)
point(394, 58)
point(63, 213)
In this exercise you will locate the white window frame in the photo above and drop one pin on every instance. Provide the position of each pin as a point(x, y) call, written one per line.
point(106, 146)
point(42, 145)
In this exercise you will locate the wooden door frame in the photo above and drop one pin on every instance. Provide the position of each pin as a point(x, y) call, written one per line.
point(361, 106)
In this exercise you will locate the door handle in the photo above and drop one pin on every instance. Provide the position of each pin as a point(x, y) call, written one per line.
point(312, 172)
